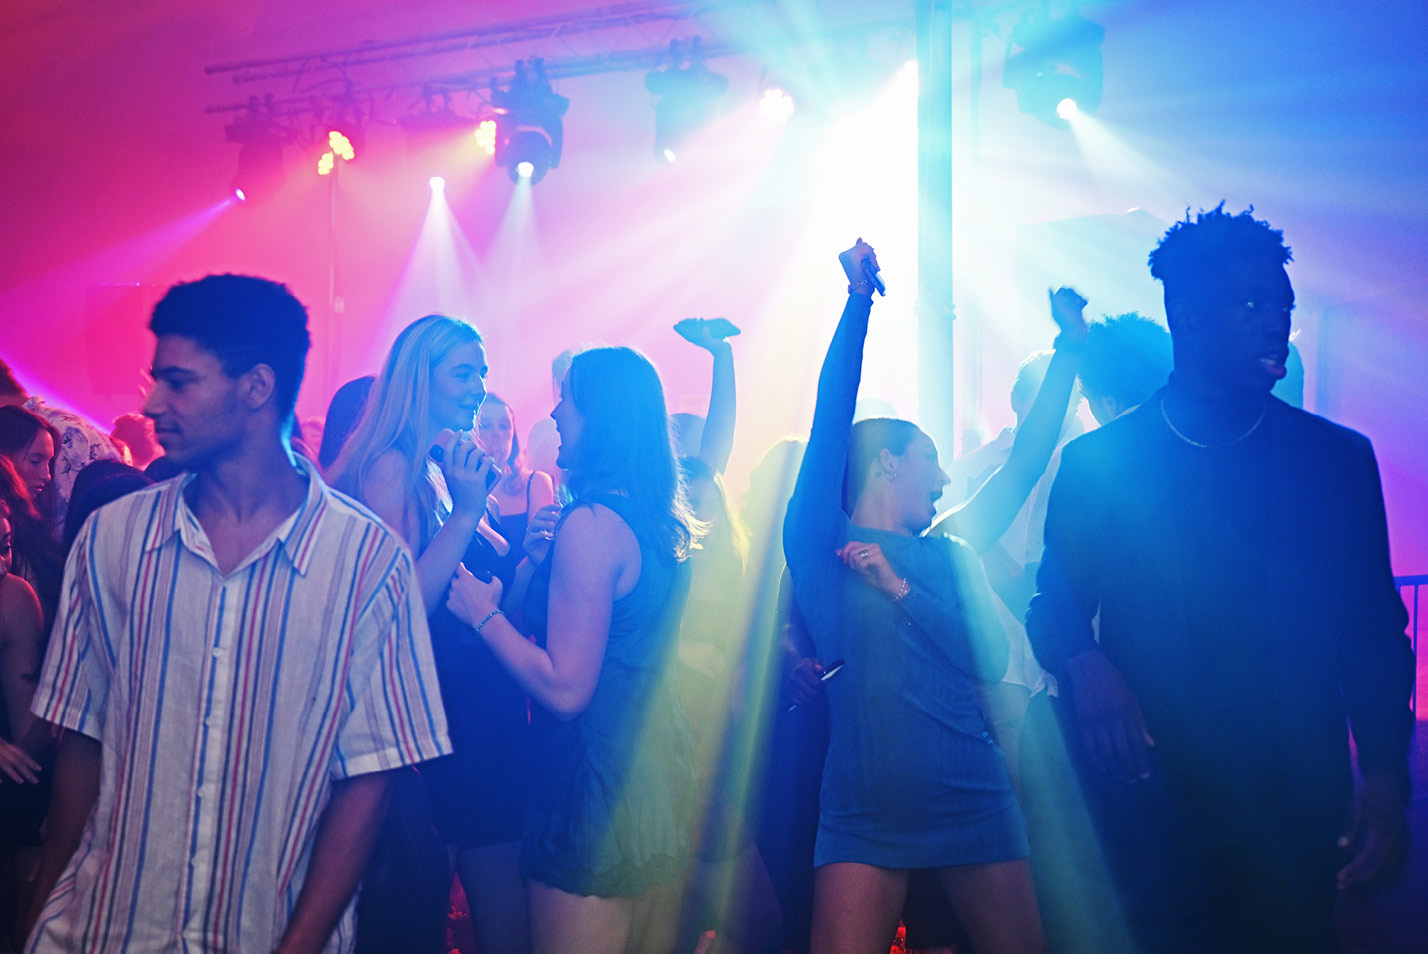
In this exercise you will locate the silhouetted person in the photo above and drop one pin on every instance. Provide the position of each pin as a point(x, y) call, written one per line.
point(343, 413)
point(1236, 551)
point(1127, 359)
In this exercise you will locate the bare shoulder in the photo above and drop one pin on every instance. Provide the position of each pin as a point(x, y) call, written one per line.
point(388, 468)
point(384, 491)
point(595, 523)
point(596, 545)
point(19, 608)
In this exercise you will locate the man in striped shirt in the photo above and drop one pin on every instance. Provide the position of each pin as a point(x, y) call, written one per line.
point(240, 657)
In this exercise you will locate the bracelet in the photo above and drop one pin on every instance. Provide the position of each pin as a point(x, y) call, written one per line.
point(902, 591)
point(864, 288)
point(482, 625)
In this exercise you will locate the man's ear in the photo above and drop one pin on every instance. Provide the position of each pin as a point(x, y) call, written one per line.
point(1179, 315)
point(887, 463)
point(257, 386)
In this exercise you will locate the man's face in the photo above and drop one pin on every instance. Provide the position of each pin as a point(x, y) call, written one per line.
point(1238, 334)
point(196, 407)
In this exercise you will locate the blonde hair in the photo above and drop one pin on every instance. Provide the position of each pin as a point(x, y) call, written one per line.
point(397, 407)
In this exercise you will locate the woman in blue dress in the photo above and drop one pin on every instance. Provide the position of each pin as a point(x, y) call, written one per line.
point(913, 778)
point(607, 834)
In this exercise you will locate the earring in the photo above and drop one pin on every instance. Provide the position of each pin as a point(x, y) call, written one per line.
point(892, 475)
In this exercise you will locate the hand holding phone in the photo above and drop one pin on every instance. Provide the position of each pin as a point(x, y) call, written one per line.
point(860, 264)
point(470, 473)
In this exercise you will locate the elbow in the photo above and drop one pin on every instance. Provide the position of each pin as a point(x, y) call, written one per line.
point(568, 704)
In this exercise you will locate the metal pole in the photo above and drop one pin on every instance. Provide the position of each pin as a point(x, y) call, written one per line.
point(934, 222)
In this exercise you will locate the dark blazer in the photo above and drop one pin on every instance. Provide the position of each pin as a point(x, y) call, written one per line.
point(1245, 593)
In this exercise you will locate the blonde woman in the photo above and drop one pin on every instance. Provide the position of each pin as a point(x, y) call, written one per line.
point(422, 408)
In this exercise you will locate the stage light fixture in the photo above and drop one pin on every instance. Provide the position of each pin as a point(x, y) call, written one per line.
point(339, 146)
point(1054, 59)
point(686, 92)
point(261, 138)
point(486, 136)
point(437, 183)
point(527, 156)
point(529, 123)
point(1067, 108)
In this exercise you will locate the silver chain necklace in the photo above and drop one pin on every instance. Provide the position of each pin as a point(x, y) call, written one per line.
point(1176, 431)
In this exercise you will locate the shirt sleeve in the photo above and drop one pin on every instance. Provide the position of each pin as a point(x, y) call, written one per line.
point(1059, 621)
point(976, 644)
point(815, 519)
point(1376, 658)
point(74, 681)
point(396, 717)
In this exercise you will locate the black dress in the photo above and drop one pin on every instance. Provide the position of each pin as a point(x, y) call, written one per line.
point(479, 792)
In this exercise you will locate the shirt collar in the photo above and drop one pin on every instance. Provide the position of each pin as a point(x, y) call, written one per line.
point(295, 536)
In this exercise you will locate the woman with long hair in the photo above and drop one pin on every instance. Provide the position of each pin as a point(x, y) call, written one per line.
point(608, 832)
point(424, 405)
point(521, 492)
point(913, 778)
point(30, 443)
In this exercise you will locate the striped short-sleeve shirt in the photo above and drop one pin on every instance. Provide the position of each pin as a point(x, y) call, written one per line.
point(226, 705)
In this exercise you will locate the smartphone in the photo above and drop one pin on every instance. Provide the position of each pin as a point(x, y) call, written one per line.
point(492, 476)
point(829, 673)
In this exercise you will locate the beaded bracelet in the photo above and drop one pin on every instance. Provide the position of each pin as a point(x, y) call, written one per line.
point(482, 625)
point(902, 591)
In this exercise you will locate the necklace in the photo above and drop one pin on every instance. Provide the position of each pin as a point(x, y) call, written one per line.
point(1176, 431)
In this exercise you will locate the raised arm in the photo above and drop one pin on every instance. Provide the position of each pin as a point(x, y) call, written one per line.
point(713, 335)
point(987, 514)
point(811, 527)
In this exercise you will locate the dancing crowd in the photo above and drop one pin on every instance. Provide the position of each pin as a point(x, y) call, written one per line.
point(267, 690)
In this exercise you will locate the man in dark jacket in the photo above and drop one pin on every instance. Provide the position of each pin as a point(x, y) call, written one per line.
point(1236, 551)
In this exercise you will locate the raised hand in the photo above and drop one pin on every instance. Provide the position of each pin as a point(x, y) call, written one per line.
point(706, 333)
point(860, 263)
point(1066, 308)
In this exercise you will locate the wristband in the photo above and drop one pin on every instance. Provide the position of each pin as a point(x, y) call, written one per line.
point(864, 288)
point(482, 625)
point(902, 591)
